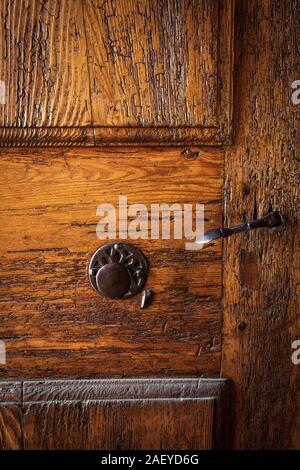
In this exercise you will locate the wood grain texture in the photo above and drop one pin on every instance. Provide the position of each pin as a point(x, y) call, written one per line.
point(67, 391)
point(10, 427)
point(126, 414)
point(52, 321)
point(44, 68)
point(157, 72)
point(10, 391)
point(158, 54)
point(46, 136)
point(171, 68)
point(121, 425)
point(159, 413)
point(261, 316)
point(125, 388)
point(10, 416)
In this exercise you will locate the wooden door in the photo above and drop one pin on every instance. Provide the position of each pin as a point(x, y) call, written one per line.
point(139, 99)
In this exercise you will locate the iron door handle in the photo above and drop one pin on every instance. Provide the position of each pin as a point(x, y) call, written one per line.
point(271, 220)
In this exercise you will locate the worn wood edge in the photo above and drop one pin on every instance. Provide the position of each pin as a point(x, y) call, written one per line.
point(10, 391)
point(95, 389)
point(114, 136)
point(226, 65)
point(160, 135)
point(46, 136)
point(28, 404)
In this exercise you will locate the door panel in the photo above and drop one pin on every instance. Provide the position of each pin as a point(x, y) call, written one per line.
point(122, 425)
point(120, 414)
point(53, 323)
point(126, 72)
point(167, 59)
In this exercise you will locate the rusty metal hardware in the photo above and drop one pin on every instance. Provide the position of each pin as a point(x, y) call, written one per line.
point(117, 270)
point(271, 220)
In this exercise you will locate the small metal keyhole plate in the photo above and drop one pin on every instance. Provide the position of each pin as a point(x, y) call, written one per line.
point(117, 270)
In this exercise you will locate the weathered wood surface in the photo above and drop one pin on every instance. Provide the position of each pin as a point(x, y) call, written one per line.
point(44, 70)
point(181, 413)
point(94, 72)
point(126, 414)
point(53, 323)
point(121, 424)
point(159, 64)
point(261, 308)
point(10, 416)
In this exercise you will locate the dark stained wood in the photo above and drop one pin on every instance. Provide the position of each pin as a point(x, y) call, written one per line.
point(126, 414)
point(10, 416)
point(261, 308)
point(116, 72)
point(120, 425)
point(44, 68)
point(54, 324)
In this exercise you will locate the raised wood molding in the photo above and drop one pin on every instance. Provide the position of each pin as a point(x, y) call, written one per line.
point(63, 73)
point(50, 409)
point(46, 136)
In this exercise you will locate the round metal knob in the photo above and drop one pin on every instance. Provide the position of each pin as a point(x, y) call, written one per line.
point(117, 270)
point(113, 280)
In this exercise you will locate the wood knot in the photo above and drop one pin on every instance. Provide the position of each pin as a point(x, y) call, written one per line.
point(190, 154)
point(242, 326)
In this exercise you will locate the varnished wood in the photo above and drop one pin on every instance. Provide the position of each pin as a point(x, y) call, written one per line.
point(54, 324)
point(116, 72)
point(261, 270)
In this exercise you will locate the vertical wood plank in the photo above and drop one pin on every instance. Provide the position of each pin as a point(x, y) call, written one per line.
point(44, 68)
point(261, 269)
